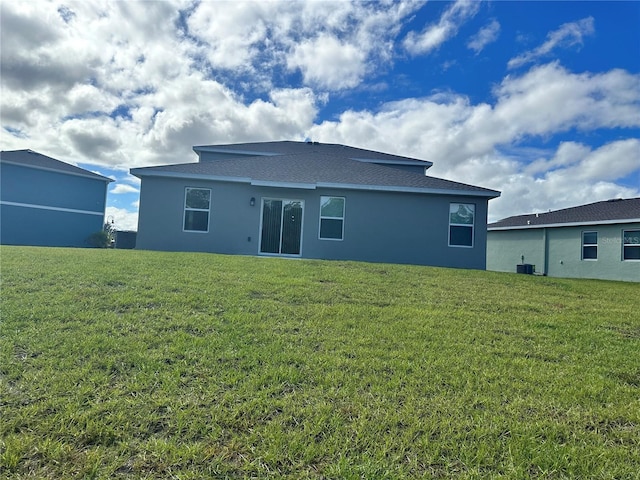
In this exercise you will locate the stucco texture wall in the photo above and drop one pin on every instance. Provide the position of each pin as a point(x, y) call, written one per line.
point(507, 249)
point(378, 226)
point(557, 252)
point(47, 208)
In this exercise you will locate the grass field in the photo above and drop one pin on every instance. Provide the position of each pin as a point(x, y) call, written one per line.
point(133, 364)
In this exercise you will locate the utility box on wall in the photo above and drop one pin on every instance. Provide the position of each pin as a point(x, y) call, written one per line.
point(526, 268)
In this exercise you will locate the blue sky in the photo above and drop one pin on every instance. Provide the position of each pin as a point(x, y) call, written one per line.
point(540, 100)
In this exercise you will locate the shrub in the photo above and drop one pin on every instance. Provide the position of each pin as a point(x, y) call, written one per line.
point(99, 239)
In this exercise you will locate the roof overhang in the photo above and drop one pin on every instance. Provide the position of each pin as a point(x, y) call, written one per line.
point(91, 175)
point(410, 163)
point(138, 172)
point(426, 190)
point(570, 224)
point(214, 149)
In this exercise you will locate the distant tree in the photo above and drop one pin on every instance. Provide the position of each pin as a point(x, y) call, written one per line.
point(105, 238)
point(110, 229)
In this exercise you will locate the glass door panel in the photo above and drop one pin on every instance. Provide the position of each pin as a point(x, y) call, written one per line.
point(291, 227)
point(281, 226)
point(271, 226)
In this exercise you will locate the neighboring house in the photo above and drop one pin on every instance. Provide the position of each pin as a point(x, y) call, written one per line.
point(598, 240)
point(311, 200)
point(46, 202)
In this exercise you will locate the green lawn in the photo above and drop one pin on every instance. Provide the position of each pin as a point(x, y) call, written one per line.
point(133, 364)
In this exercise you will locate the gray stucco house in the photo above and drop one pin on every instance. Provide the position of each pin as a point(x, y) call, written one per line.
point(311, 200)
point(46, 202)
point(598, 240)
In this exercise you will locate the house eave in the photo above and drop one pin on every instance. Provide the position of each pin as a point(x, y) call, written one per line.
point(267, 183)
point(567, 224)
point(257, 153)
point(312, 186)
point(393, 188)
point(93, 176)
point(189, 176)
point(410, 163)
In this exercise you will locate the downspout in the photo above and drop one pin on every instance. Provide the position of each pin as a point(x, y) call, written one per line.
point(104, 206)
point(545, 241)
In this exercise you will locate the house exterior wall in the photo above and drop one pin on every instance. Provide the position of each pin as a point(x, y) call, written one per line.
point(387, 227)
point(47, 208)
point(506, 249)
point(564, 251)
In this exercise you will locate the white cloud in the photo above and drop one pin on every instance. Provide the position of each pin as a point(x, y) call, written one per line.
point(578, 175)
point(213, 74)
point(529, 104)
point(568, 35)
point(466, 141)
point(331, 43)
point(486, 35)
point(435, 35)
point(231, 33)
point(449, 130)
point(567, 154)
point(329, 63)
point(69, 72)
point(121, 188)
point(608, 163)
point(122, 219)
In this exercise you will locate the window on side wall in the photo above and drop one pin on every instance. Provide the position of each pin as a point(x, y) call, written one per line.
point(589, 245)
point(631, 244)
point(331, 218)
point(197, 203)
point(461, 222)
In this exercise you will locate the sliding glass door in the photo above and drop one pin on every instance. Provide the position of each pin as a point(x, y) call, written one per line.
point(281, 226)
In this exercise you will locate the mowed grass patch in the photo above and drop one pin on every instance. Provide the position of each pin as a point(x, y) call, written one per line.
point(133, 364)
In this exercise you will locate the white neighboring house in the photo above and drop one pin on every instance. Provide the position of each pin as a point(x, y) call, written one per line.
point(597, 240)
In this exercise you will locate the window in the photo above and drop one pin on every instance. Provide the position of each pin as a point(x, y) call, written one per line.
point(631, 244)
point(461, 224)
point(331, 218)
point(196, 209)
point(589, 245)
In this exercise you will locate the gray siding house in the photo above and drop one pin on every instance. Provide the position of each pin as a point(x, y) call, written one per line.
point(46, 202)
point(599, 240)
point(311, 200)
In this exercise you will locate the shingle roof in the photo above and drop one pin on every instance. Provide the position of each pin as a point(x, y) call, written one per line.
point(290, 147)
point(311, 170)
point(31, 159)
point(608, 211)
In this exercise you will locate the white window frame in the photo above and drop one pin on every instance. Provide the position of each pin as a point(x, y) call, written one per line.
point(472, 207)
point(187, 209)
point(325, 217)
point(629, 245)
point(589, 245)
